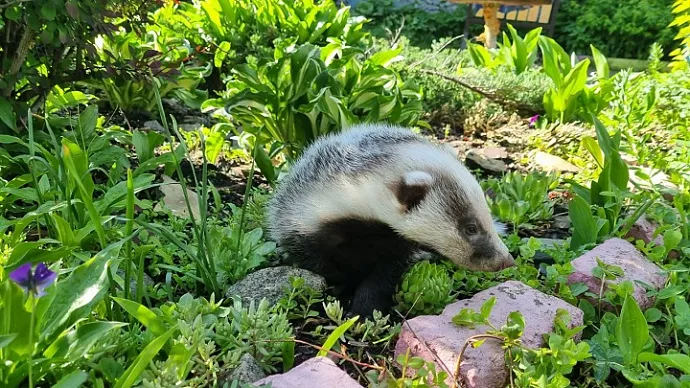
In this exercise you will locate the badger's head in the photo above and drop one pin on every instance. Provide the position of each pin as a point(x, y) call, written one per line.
point(448, 213)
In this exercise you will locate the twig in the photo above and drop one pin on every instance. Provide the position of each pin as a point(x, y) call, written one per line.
point(456, 374)
point(435, 355)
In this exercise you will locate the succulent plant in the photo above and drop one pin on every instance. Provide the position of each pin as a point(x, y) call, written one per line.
point(425, 289)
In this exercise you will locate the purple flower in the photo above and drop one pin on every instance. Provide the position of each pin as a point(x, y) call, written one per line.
point(533, 120)
point(34, 282)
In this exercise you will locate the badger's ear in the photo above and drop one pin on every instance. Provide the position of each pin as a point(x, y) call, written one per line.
point(412, 188)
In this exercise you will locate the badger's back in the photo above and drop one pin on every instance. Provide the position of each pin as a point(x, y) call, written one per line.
point(345, 175)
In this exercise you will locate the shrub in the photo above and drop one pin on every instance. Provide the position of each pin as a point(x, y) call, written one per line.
point(624, 29)
point(418, 25)
point(307, 93)
point(229, 33)
point(49, 43)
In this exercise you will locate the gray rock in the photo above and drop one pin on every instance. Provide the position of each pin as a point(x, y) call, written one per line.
point(248, 370)
point(148, 282)
point(476, 160)
point(561, 222)
point(270, 283)
point(154, 126)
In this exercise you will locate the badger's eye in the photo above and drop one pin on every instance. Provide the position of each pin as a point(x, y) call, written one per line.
point(471, 230)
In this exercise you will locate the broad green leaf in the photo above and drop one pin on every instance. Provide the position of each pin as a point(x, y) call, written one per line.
point(87, 122)
point(632, 331)
point(221, 53)
point(72, 380)
point(145, 144)
point(584, 226)
point(335, 335)
point(75, 343)
point(384, 58)
point(147, 317)
point(603, 137)
point(592, 146)
point(142, 361)
point(7, 114)
point(79, 292)
point(601, 63)
point(676, 360)
point(6, 339)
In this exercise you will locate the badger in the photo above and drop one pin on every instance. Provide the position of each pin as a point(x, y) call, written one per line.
point(358, 206)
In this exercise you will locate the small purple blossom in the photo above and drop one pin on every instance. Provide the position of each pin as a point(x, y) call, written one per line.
point(533, 120)
point(34, 282)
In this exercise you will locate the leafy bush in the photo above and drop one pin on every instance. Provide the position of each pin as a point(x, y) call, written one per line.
point(418, 25)
point(309, 92)
point(623, 29)
point(681, 19)
point(228, 33)
point(425, 289)
point(49, 43)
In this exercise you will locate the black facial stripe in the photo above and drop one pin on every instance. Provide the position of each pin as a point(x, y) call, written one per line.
point(457, 204)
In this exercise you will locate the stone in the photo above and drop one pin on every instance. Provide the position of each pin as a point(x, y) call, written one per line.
point(561, 222)
point(621, 253)
point(551, 163)
point(174, 199)
point(643, 229)
point(474, 159)
point(248, 370)
point(436, 338)
point(494, 152)
point(659, 179)
point(154, 126)
point(148, 282)
point(271, 282)
point(317, 372)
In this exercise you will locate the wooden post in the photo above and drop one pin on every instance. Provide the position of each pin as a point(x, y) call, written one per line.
point(492, 26)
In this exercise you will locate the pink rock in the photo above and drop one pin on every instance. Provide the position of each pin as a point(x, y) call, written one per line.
point(623, 254)
point(436, 338)
point(317, 372)
point(643, 229)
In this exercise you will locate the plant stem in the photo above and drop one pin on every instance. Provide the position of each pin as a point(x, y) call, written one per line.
point(470, 340)
point(31, 340)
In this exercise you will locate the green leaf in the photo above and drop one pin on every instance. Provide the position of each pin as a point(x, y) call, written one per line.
point(7, 114)
point(221, 53)
point(601, 63)
point(75, 343)
point(515, 325)
point(78, 293)
point(585, 228)
point(142, 361)
point(632, 331)
point(675, 360)
point(592, 146)
point(48, 11)
point(603, 137)
point(72, 380)
point(7, 339)
point(337, 333)
point(145, 144)
point(487, 306)
point(384, 58)
point(147, 317)
point(288, 355)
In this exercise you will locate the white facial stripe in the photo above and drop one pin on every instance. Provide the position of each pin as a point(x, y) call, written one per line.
point(418, 178)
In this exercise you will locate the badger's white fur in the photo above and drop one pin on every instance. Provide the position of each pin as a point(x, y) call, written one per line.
point(388, 177)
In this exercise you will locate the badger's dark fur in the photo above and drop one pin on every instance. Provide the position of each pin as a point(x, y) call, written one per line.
point(359, 204)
